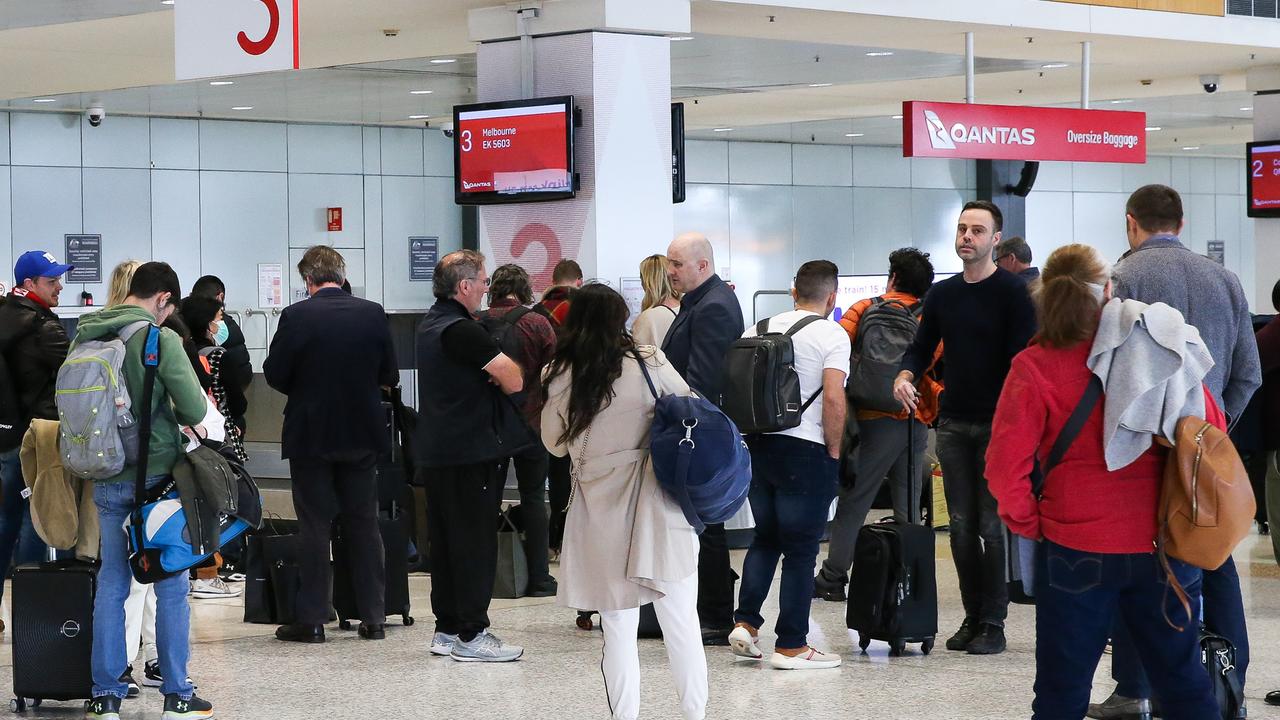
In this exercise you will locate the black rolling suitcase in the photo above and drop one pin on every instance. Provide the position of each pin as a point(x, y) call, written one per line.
point(52, 632)
point(394, 527)
point(893, 590)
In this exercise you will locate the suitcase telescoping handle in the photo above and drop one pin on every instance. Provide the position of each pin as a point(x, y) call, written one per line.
point(913, 473)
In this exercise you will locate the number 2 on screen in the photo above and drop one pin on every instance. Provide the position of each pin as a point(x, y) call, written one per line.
point(465, 141)
point(1257, 168)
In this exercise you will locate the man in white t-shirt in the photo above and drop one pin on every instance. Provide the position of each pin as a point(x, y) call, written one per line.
point(795, 478)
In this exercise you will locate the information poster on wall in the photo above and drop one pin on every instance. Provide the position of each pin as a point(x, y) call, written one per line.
point(633, 293)
point(1218, 251)
point(85, 253)
point(270, 285)
point(424, 253)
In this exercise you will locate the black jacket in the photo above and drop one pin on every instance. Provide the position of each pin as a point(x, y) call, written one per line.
point(34, 343)
point(710, 320)
point(237, 369)
point(330, 356)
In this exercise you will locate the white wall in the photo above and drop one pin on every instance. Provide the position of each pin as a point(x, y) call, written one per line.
point(220, 197)
point(768, 207)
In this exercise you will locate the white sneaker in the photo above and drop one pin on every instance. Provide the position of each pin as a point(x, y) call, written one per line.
point(810, 659)
point(212, 589)
point(743, 642)
point(442, 644)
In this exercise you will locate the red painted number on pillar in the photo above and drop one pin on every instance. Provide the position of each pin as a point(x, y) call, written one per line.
point(257, 47)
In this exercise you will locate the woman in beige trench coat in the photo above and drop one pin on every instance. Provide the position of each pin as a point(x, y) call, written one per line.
point(625, 542)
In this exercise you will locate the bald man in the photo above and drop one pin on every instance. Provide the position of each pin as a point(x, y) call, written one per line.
point(710, 320)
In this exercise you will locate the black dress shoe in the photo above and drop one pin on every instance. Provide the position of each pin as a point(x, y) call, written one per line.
point(826, 590)
point(990, 641)
point(372, 632)
point(965, 635)
point(300, 632)
point(714, 637)
point(1272, 698)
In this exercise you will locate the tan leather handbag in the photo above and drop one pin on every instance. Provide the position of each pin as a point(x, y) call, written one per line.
point(1206, 503)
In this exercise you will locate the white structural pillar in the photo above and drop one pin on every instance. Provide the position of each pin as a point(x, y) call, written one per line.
point(614, 57)
point(1266, 231)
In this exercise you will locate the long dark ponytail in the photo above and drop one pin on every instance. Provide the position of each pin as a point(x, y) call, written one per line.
point(590, 350)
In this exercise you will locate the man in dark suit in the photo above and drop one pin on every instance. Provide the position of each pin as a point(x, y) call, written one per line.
point(710, 320)
point(330, 355)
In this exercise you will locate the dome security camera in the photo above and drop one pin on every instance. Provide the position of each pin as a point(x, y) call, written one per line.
point(1210, 83)
point(96, 115)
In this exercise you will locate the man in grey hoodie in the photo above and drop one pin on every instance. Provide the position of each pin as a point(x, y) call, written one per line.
point(1159, 268)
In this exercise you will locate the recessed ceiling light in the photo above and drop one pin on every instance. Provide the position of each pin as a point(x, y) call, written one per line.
point(1154, 128)
point(1054, 66)
point(166, 2)
point(1120, 102)
point(444, 61)
point(221, 83)
point(419, 117)
point(1193, 147)
point(854, 134)
point(45, 100)
point(879, 53)
point(681, 38)
point(421, 92)
point(242, 107)
point(1246, 109)
point(819, 84)
point(721, 129)
point(897, 117)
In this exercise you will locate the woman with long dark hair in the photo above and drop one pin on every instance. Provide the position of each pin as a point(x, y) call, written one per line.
point(625, 542)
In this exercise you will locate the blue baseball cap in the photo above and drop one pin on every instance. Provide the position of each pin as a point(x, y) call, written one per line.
point(38, 263)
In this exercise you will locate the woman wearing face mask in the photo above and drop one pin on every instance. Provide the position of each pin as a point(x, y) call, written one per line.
point(203, 315)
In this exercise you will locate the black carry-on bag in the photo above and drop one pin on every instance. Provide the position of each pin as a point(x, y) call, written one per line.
point(394, 527)
point(52, 632)
point(893, 589)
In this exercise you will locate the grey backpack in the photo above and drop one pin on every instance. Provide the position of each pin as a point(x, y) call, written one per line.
point(885, 331)
point(97, 430)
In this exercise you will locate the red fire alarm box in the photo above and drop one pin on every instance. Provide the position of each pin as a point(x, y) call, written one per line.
point(335, 219)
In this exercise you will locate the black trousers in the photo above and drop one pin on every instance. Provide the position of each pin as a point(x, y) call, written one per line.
point(558, 488)
point(531, 477)
point(462, 524)
point(324, 488)
point(715, 579)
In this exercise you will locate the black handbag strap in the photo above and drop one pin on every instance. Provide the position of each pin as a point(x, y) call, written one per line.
point(652, 390)
point(1074, 425)
point(150, 363)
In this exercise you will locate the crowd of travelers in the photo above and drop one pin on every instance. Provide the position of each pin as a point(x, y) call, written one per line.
point(1054, 393)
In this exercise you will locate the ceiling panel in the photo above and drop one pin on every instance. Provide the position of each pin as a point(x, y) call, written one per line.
point(35, 13)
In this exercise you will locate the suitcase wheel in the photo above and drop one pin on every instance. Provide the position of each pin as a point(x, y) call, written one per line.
point(17, 705)
point(344, 624)
point(864, 643)
point(408, 619)
point(584, 622)
point(897, 648)
point(926, 647)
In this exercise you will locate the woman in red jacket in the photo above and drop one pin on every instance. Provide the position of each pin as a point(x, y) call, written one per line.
point(1097, 528)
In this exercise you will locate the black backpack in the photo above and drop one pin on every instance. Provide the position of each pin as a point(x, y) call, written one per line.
point(885, 331)
point(502, 329)
point(761, 388)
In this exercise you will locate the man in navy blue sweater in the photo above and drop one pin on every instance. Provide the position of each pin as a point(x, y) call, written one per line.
point(982, 317)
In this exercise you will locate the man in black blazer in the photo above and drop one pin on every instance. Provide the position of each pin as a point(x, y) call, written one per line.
point(330, 355)
point(710, 320)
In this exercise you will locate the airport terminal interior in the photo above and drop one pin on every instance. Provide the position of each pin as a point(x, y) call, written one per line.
point(227, 137)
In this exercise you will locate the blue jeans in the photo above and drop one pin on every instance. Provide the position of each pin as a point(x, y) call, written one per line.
point(173, 619)
point(792, 485)
point(19, 542)
point(1079, 595)
point(1223, 614)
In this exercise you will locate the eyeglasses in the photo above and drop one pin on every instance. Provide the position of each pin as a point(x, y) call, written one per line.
point(486, 280)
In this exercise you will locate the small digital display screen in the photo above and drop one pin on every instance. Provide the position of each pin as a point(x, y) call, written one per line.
point(519, 151)
point(1264, 179)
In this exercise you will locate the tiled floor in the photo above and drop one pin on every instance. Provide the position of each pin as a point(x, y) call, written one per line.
point(249, 675)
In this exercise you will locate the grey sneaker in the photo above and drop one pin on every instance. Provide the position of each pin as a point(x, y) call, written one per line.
point(485, 647)
point(442, 644)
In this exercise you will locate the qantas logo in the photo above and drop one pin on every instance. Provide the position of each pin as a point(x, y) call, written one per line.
point(942, 137)
point(474, 185)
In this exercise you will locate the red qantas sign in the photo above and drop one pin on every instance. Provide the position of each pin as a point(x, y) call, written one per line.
point(514, 150)
point(1010, 132)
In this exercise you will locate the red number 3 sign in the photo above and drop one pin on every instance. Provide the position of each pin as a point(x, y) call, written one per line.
point(257, 47)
